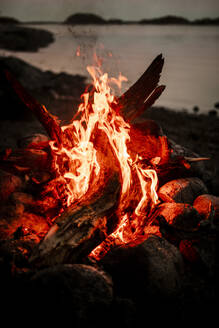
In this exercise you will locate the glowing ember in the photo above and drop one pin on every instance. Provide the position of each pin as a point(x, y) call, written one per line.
point(76, 162)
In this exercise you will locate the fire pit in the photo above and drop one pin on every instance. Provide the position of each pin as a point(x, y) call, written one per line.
point(105, 191)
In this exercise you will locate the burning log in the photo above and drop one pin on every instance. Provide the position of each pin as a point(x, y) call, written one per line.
point(8, 184)
point(28, 159)
point(80, 229)
point(33, 140)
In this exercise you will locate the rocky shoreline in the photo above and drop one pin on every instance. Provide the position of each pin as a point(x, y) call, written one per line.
point(197, 132)
point(15, 37)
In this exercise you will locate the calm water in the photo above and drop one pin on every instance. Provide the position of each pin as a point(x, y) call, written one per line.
point(191, 71)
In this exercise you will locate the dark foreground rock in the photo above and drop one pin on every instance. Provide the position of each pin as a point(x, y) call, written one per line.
point(8, 20)
point(59, 91)
point(151, 269)
point(18, 38)
point(81, 293)
point(78, 295)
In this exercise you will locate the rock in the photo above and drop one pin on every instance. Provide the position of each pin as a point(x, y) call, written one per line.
point(212, 112)
point(178, 215)
point(149, 270)
point(8, 184)
point(77, 294)
point(201, 251)
point(182, 190)
point(204, 203)
point(42, 85)
point(19, 38)
point(32, 139)
point(197, 169)
point(8, 20)
point(124, 313)
point(188, 251)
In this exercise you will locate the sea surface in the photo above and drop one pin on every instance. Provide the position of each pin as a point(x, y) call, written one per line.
point(191, 70)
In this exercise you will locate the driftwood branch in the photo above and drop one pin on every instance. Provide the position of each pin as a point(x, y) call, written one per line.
point(48, 121)
point(148, 102)
point(143, 93)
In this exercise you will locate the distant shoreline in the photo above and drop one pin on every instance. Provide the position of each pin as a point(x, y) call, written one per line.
point(91, 19)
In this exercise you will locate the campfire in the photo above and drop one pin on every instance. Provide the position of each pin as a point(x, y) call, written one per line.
point(106, 180)
point(104, 168)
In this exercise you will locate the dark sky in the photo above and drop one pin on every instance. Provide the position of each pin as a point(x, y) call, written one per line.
point(28, 10)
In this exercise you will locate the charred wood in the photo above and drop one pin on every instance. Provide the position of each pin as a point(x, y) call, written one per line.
point(79, 229)
point(142, 93)
point(35, 159)
point(48, 121)
point(148, 103)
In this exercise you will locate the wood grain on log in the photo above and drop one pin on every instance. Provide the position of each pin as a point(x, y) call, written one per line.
point(80, 229)
point(148, 103)
point(144, 92)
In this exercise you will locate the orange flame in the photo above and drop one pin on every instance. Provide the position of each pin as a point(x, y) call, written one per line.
point(79, 162)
